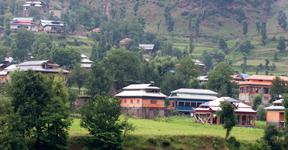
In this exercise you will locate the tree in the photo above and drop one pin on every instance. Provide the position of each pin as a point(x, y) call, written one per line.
point(245, 27)
point(281, 45)
point(171, 81)
point(78, 76)
point(257, 101)
point(272, 138)
point(282, 20)
point(263, 33)
point(261, 113)
point(220, 80)
point(285, 104)
point(39, 110)
point(227, 114)
point(244, 65)
point(66, 57)
point(223, 46)
point(23, 44)
point(101, 117)
point(187, 70)
point(119, 65)
point(207, 60)
point(42, 46)
point(99, 81)
point(278, 88)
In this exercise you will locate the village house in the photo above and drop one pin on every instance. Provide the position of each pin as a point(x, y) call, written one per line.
point(85, 62)
point(22, 23)
point(186, 100)
point(51, 26)
point(143, 101)
point(147, 48)
point(208, 112)
point(275, 114)
point(257, 85)
point(41, 6)
point(45, 67)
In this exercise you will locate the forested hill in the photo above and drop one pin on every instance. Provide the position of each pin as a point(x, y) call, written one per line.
point(201, 17)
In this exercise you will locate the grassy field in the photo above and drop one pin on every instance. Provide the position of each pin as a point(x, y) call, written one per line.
point(179, 126)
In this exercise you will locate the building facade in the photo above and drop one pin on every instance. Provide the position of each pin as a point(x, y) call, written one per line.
point(257, 85)
point(186, 100)
point(208, 112)
point(275, 114)
point(143, 101)
point(45, 67)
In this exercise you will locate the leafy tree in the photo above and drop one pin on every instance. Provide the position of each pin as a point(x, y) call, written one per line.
point(171, 81)
point(278, 88)
point(207, 60)
point(197, 24)
point(101, 117)
point(3, 53)
point(163, 65)
point(282, 45)
point(258, 26)
point(227, 114)
point(78, 76)
point(39, 111)
point(261, 113)
point(282, 20)
point(65, 57)
point(245, 47)
point(220, 80)
point(119, 66)
point(245, 27)
point(188, 70)
point(99, 81)
point(272, 138)
point(263, 33)
point(285, 104)
point(42, 46)
point(23, 44)
point(257, 101)
point(169, 19)
point(223, 46)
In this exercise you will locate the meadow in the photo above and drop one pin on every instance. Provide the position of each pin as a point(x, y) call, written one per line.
point(179, 126)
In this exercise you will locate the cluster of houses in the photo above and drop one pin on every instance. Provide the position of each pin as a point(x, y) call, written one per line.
point(147, 101)
point(29, 23)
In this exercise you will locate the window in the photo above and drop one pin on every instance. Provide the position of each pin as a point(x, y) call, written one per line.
point(153, 102)
point(124, 101)
point(138, 101)
point(181, 104)
point(131, 101)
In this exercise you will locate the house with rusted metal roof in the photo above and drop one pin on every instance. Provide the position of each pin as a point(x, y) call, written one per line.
point(142, 101)
point(257, 85)
point(208, 112)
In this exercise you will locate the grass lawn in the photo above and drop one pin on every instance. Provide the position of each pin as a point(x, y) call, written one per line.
point(179, 126)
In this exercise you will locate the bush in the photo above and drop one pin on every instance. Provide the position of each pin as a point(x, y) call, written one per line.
point(233, 144)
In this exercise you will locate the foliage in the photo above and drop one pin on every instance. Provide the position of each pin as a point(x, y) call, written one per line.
point(261, 113)
point(169, 19)
point(245, 27)
point(220, 80)
point(223, 46)
point(278, 88)
point(245, 47)
point(227, 113)
point(23, 44)
point(257, 101)
point(99, 81)
point(188, 70)
point(171, 81)
point(101, 118)
point(233, 144)
point(39, 110)
point(282, 20)
point(272, 138)
point(281, 45)
point(78, 76)
point(66, 57)
point(42, 46)
point(120, 68)
point(163, 65)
